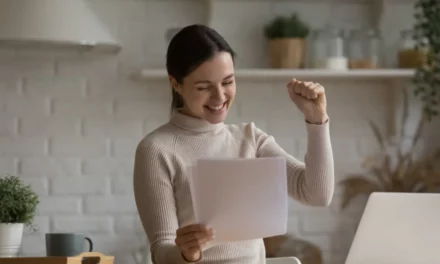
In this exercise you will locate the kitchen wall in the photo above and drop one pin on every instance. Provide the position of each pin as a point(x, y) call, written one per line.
point(69, 123)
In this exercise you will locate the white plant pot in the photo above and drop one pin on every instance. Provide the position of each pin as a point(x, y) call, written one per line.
point(11, 236)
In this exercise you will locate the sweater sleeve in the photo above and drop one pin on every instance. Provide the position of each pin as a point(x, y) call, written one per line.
point(311, 182)
point(154, 196)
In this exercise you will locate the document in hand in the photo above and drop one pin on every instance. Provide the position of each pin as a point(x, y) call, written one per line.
point(241, 199)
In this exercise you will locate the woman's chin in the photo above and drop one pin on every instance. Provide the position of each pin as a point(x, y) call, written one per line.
point(215, 118)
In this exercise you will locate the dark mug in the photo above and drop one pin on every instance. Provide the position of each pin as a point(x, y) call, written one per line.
point(66, 244)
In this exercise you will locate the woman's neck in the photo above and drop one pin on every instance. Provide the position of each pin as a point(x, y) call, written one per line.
point(189, 122)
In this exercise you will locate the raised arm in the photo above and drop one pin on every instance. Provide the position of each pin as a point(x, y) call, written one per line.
point(312, 182)
point(155, 202)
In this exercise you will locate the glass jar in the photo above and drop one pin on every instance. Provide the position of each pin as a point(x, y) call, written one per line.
point(365, 49)
point(336, 51)
point(408, 56)
point(317, 49)
point(374, 50)
point(356, 49)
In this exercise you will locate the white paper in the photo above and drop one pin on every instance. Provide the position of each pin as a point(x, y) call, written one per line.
point(241, 199)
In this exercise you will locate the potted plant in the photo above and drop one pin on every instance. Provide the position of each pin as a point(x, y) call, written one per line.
point(395, 170)
point(287, 41)
point(18, 204)
point(427, 36)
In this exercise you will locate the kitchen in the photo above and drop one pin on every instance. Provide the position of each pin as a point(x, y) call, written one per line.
point(71, 118)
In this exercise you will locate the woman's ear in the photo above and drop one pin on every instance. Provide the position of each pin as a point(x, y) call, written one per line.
point(176, 86)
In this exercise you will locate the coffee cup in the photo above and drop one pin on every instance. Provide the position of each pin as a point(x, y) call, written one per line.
point(66, 244)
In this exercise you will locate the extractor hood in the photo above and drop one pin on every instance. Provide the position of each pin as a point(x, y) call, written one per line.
point(67, 24)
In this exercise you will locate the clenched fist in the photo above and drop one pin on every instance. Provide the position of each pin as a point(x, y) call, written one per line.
point(310, 99)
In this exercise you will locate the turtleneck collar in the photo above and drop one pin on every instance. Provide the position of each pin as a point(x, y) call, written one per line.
point(193, 124)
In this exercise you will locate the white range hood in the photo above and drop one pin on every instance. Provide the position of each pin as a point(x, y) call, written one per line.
point(53, 24)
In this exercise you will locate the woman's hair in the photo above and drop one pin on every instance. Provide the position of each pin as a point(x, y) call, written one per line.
point(188, 49)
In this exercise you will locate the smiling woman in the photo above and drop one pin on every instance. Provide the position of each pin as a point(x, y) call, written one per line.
point(200, 67)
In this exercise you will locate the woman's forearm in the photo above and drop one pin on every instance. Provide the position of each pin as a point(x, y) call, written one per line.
point(311, 182)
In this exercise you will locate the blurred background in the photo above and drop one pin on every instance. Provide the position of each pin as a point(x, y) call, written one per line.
point(71, 115)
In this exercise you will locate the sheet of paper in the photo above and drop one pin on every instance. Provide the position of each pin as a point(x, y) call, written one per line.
point(241, 199)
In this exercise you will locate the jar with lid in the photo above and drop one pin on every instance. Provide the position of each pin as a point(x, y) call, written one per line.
point(336, 51)
point(408, 56)
point(365, 49)
point(317, 49)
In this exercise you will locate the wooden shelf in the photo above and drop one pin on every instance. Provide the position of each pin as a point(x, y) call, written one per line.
point(282, 74)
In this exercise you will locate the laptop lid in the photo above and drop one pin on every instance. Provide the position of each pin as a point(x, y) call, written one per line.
point(398, 228)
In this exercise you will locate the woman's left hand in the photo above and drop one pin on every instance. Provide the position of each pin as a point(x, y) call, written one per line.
point(310, 99)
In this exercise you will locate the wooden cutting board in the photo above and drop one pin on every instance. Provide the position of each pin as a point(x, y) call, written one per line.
point(91, 258)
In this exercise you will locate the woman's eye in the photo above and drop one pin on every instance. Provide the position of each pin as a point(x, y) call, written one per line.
point(228, 83)
point(202, 88)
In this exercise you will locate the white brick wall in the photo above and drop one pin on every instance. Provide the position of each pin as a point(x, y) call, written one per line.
point(69, 124)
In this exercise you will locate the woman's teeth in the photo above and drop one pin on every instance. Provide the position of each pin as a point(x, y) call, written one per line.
point(217, 108)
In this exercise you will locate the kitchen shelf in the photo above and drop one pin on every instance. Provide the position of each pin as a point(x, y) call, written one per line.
point(283, 74)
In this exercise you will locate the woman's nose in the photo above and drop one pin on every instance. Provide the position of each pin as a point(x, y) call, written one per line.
point(219, 94)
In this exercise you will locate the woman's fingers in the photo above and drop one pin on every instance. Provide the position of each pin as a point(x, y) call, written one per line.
point(195, 244)
point(309, 90)
point(191, 228)
point(190, 239)
point(182, 239)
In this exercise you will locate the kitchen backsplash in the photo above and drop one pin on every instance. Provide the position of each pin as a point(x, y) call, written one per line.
point(69, 123)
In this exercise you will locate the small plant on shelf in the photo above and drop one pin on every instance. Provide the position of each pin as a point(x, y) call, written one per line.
point(286, 27)
point(427, 36)
point(395, 170)
point(286, 36)
point(18, 205)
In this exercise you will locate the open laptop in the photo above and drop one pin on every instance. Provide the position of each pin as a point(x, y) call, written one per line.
point(398, 228)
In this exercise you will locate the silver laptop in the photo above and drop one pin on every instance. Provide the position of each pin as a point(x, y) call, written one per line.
point(398, 228)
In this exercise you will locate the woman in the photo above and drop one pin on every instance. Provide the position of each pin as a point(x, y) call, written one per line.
point(200, 66)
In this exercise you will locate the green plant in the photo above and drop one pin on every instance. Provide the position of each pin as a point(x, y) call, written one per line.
point(395, 170)
point(286, 27)
point(18, 202)
point(427, 36)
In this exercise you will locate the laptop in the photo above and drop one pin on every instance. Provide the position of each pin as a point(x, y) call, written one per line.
point(398, 228)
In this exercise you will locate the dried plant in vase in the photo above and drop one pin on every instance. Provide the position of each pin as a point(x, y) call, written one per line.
point(395, 170)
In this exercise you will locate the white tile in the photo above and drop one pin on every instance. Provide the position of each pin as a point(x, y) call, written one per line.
point(79, 147)
point(83, 224)
point(116, 204)
point(80, 185)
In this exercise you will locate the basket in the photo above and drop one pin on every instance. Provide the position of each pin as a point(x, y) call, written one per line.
point(91, 258)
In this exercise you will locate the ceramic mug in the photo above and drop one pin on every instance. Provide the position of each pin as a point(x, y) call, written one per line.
point(66, 244)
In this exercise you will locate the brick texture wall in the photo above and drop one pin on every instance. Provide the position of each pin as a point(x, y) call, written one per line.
point(69, 123)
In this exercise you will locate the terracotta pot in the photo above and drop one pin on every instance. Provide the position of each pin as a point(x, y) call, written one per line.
point(286, 52)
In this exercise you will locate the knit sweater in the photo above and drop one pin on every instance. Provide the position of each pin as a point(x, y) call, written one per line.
point(162, 191)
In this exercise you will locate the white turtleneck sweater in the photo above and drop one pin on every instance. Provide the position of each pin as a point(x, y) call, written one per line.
point(162, 191)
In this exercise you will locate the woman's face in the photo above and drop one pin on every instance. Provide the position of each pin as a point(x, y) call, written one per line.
point(209, 90)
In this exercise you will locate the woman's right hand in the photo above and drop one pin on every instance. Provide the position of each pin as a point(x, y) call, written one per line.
point(190, 240)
